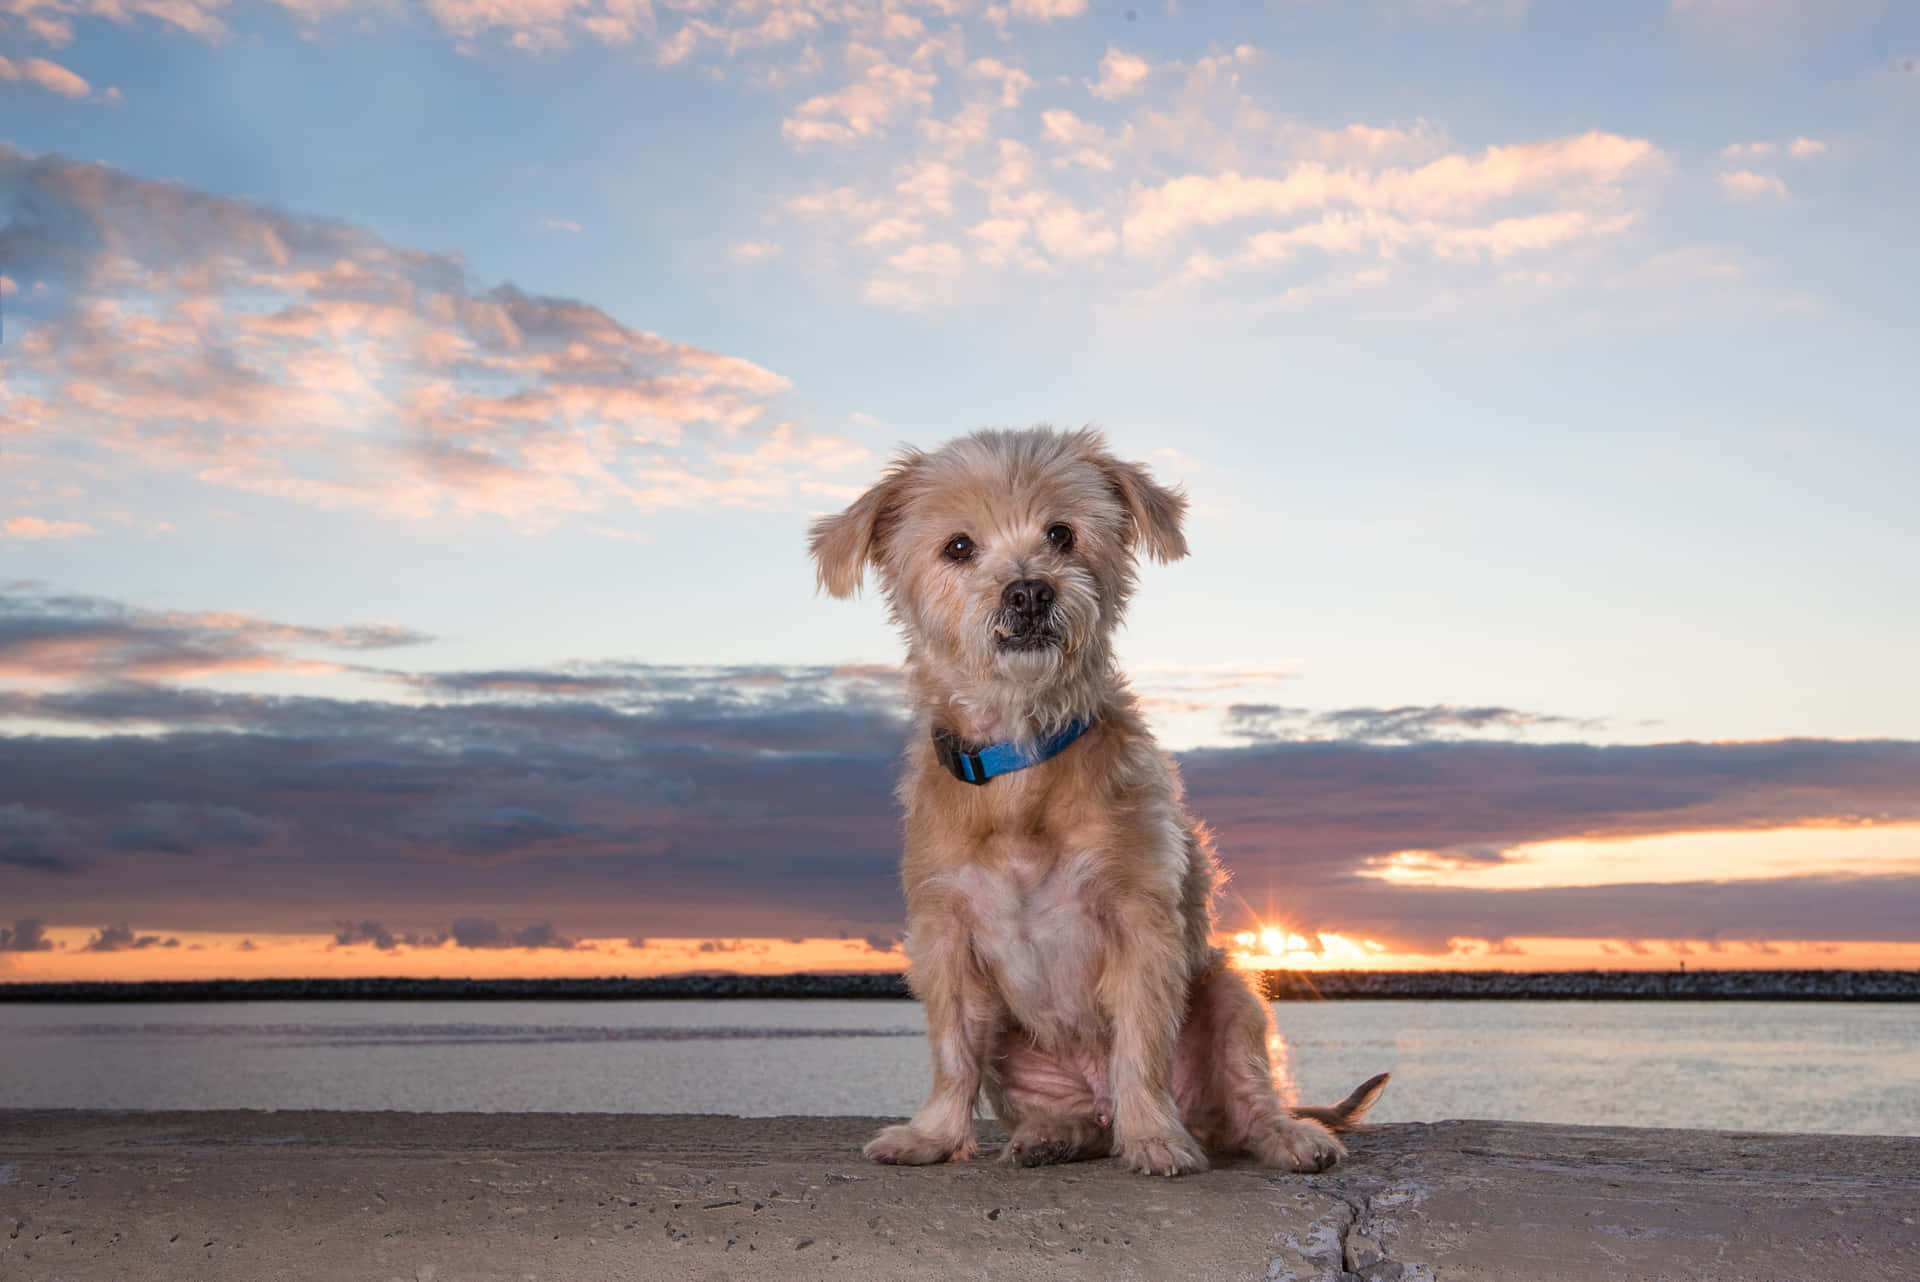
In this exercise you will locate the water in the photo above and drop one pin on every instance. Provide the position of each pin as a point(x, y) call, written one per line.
point(1729, 1065)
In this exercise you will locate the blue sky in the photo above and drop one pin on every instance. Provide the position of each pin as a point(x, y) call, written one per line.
point(1541, 358)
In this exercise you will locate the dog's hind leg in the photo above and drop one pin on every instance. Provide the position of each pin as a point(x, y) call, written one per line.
point(1224, 1080)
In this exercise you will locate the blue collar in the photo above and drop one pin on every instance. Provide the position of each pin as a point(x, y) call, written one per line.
point(978, 765)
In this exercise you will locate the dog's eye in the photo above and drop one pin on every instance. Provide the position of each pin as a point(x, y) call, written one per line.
point(1060, 538)
point(959, 548)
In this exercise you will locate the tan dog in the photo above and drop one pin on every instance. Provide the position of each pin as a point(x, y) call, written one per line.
point(1058, 915)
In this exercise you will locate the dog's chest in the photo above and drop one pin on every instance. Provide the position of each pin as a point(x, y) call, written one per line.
point(1034, 927)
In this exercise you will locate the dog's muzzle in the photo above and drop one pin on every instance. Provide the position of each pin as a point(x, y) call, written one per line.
point(1024, 620)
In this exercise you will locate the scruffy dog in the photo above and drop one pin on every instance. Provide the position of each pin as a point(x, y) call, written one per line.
point(1059, 896)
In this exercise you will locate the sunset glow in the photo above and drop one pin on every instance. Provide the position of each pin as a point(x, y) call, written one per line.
point(224, 955)
point(1271, 948)
point(1860, 846)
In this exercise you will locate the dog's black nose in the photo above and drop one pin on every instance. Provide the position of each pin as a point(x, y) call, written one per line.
point(1028, 598)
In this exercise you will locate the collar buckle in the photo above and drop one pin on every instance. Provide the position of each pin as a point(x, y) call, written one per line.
point(961, 764)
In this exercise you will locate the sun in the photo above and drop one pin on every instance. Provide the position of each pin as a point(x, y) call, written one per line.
point(1279, 948)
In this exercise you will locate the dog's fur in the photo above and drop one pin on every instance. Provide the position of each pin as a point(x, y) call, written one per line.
point(1058, 918)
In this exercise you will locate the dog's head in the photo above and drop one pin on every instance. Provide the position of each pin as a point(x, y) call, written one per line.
point(1006, 557)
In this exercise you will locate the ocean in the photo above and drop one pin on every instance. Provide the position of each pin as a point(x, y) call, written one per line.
point(1758, 1066)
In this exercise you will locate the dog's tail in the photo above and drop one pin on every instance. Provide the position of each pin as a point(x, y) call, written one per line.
point(1351, 1111)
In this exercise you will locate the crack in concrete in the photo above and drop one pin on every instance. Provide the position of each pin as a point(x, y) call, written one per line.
point(1349, 1247)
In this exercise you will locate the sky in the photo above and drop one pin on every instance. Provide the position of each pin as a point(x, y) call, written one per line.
point(410, 415)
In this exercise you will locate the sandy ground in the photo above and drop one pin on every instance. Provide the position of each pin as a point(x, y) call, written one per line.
point(93, 1196)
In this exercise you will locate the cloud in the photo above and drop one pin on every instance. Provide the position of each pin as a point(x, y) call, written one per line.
point(120, 938)
point(1424, 919)
point(1186, 166)
point(615, 799)
point(1745, 184)
point(1012, 80)
point(1385, 236)
point(1265, 722)
point(27, 935)
point(1341, 192)
point(671, 33)
point(561, 224)
point(929, 260)
point(1450, 185)
point(1301, 812)
point(52, 637)
point(1797, 149)
point(348, 933)
point(173, 828)
point(1048, 10)
point(1069, 233)
point(862, 108)
point(50, 76)
point(479, 932)
point(527, 25)
point(52, 20)
point(676, 786)
point(172, 330)
point(33, 527)
point(1121, 74)
point(754, 251)
point(36, 841)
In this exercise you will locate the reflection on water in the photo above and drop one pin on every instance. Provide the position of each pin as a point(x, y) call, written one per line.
point(1731, 1065)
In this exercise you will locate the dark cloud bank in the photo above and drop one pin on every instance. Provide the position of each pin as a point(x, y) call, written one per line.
point(534, 808)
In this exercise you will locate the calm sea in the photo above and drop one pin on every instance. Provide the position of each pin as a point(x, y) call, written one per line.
point(1732, 1065)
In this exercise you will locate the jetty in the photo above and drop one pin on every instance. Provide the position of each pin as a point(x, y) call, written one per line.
point(1278, 985)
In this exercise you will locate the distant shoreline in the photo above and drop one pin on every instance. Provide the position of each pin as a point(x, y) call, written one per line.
point(1279, 985)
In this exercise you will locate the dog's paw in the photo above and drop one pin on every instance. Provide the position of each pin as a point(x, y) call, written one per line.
point(904, 1146)
point(1297, 1144)
point(1175, 1154)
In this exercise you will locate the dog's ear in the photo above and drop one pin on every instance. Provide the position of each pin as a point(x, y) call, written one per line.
point(842, 545)
point(1154, 511)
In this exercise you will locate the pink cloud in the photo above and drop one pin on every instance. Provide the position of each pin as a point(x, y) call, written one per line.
point(1048, 10)
point(1448, 185)
point(34, 527)
point(861, 108)
point(73, 638)
point(310, 360)
point(50, 76)
point(1745, 184)
point(1121, 74)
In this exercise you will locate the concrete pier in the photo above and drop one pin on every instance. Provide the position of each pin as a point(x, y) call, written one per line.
point(96, 1196)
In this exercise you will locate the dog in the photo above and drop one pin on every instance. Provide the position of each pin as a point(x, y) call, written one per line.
point(1059, 896)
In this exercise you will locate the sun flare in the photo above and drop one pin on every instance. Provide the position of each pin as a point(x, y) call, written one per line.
point(1278, 948)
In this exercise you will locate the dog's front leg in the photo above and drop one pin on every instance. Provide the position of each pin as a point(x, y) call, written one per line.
point(962, 1019)
point(1144, 995)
